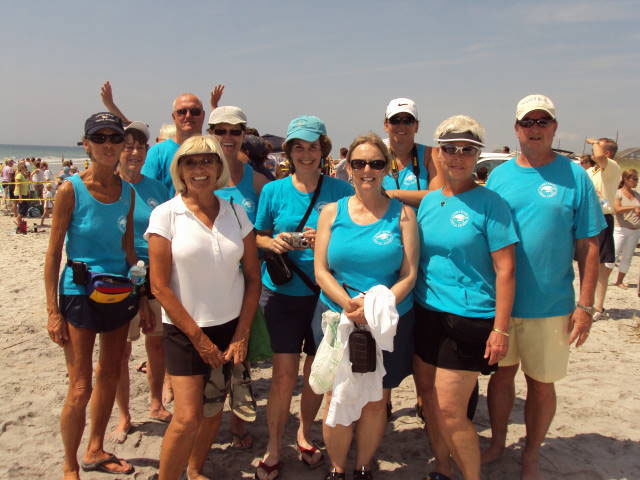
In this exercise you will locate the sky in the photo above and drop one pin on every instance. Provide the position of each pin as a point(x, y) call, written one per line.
point(340, 60)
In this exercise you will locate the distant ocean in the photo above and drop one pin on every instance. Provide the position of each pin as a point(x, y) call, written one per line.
point(53, 155)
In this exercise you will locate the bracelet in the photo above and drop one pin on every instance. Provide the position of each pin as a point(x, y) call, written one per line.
point(501, 332)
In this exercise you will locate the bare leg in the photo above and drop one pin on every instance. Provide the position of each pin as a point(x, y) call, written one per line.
point(207, 432)
point(283, 380)
point(539, 410)
point(112, 348)
point(424, 376)
point(337, 439)
point(620, 279)
point(78, 352)
point(601, 287)
point(370, 429)
point(452, 391)
point(155, 376)
point(119, 433)
point(182, 431)
point(500, 398)
point(309, 405)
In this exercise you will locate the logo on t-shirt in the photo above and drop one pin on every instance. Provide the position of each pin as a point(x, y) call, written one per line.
point(152, 202)
point(248, 205)
point(319, 206)
point(410, 179)
point(122, 223)
point(547, 190)
point(383, 237)
point(459, 218)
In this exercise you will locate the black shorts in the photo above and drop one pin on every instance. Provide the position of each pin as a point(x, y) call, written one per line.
point(80, 312)
point(605, 239)
point(289, 321)
point(23, 208)
point(453, 342)
point(182, 358)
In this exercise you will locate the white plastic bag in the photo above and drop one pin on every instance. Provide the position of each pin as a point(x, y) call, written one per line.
point(328, 355)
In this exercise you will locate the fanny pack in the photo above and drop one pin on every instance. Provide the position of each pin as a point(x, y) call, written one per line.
point(101, 287)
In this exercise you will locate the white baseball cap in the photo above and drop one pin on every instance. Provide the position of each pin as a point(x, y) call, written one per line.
point(535, 102)
point(227, 114)
point(401, 105)
point(139, 126)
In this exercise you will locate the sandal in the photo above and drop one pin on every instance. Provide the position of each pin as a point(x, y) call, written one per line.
point(310, 452)
point(268, 469)
point(242, 402)
point(362, 474)
point(333, 475)
point(101, 466)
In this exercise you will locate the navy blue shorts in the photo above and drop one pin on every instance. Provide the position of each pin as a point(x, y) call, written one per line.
point(80, 312)
point(289, 321)
point(399, 363)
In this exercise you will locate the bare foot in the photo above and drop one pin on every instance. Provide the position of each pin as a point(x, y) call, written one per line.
point(530, 467)
point(75, 475)
point(167, 392)
point(491, 454)
point(161, 415)
point(191, 475)
point(119, 434)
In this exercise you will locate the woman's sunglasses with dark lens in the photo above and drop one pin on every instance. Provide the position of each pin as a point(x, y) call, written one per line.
point(192, 162)
point(530, 122)
point(402, 120)
point(374, 164)
point(234, 132)
point(195, 112)
point(453, 149)
point(100, 138)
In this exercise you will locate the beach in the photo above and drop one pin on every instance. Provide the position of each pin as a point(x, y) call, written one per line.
point(595, 434)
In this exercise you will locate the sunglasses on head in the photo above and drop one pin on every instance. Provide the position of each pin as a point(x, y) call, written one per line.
point(191, 162)
point(395, 120)
point(234, 132)
point(374, 164)
point(467, 150)
point(195, 112)
point(100, 138)
point(530, 122)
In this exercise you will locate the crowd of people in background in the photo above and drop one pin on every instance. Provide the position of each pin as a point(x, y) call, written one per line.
point(444, 269)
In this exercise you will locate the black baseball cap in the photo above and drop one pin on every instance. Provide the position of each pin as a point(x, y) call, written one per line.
point(101, 120)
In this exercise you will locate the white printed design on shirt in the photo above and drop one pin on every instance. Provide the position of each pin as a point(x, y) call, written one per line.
point(122, 223)
point(547, 190)
point(459, 218)
point(383, 237)
point(410, 179)
point(152, 202)
point(248, 205)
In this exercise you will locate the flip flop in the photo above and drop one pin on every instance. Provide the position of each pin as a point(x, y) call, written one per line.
point(100, 466)
point(269, 469)
point(310, 451)
point(161, 419)
point(142, 368)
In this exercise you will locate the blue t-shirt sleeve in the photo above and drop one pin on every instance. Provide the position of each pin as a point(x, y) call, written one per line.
point(151, 167)
point(264, 218)
point(589, 220)
point(499, 225)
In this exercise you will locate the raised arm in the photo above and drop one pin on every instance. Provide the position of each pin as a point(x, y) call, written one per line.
point(107, 99)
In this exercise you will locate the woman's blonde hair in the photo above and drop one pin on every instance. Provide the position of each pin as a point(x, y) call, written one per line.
point(626, 174)
point(370, 139)
point(198, 145)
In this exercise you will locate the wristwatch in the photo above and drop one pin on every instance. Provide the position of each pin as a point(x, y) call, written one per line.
point(590, 310)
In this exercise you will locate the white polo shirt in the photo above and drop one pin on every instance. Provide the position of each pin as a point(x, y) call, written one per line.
point(205, 270)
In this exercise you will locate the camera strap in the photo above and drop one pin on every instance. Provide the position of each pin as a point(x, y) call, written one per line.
point(316, 194)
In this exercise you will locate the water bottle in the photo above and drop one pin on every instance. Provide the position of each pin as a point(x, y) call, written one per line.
point(138, 273)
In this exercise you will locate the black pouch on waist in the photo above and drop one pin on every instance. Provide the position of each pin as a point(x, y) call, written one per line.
point(362, 351)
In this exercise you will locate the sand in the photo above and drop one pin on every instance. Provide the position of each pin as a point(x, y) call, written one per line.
point(594, 435)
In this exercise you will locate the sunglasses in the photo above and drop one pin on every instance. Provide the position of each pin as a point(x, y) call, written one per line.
point(374, 164)
point(100, 138)
point(401, 120)
point(234, 132)
point(190, 162)
point(195, 112)
point(530, 122)
point(467, 150)
point(633, 178)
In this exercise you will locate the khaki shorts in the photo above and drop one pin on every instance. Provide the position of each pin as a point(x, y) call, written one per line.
point(541, 345)
point(134, 325)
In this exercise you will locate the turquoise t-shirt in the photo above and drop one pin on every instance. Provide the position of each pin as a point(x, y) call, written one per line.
point(94, 235)
point(457, 236)
point(158, 161)
point(552, 207)
point(149, 194)
point(363, 256)
point(243, 193)
point(280, 209)
point(407, 178)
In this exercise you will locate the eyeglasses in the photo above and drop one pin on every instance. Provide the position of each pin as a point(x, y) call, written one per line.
point(374, 164)
point(530, 122)
point(130, 147)
point(195, 112)
point(395, 120)
point(100, 138)
point(467, 150)
point(191, 162)
point(234, 132)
